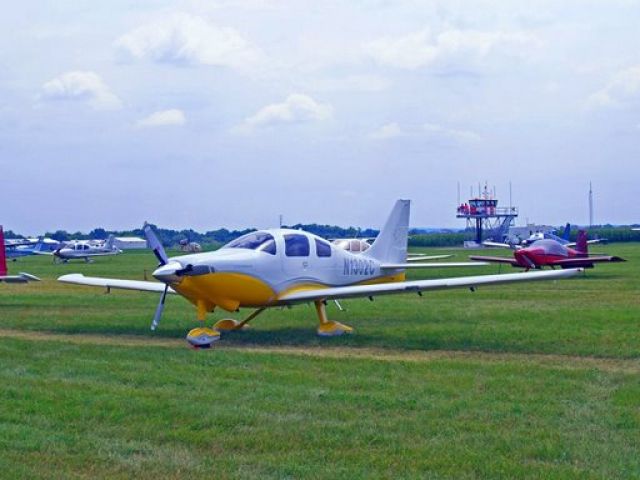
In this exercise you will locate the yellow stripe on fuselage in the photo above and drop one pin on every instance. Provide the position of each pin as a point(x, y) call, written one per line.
point(230, 290)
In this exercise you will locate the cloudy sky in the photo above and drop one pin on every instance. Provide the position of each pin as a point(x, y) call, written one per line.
point(231, 112)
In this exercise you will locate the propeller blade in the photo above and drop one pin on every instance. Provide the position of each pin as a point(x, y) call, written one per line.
point(155, 244)
point(159, 309)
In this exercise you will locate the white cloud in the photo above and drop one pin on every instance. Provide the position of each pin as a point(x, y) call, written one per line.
point(422, 49)
point(296, 108)
point(624, 87)
point(450, 133)
point(353, 83)
point(428, 130)
point(386, 132)
point(163, 118)
point(84, 86)
point(187, 39)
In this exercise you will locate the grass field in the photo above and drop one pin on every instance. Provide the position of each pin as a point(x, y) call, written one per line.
point(536, 380)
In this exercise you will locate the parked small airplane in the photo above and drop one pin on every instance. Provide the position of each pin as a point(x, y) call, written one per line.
point(83, 250)
point(563, 240)
point(31, 246)
point(552, 253)
point(282, 267)
point(359, 245)
point(22, 277)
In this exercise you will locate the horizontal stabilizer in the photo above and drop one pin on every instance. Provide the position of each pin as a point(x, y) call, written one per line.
point(140, 285)
point(422, 258)
point(482, 258)
point(21, 278)
point(389, 266)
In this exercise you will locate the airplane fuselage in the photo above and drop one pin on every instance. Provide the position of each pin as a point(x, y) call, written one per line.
point(547, 253)
point(257, 274)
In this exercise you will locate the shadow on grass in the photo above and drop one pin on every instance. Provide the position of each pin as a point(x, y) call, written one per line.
point(301, 337)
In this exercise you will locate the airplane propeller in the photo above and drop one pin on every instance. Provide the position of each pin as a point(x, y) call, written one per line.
point(159, 309)
point(182, 271)
point(161, 255)
point(154, 244)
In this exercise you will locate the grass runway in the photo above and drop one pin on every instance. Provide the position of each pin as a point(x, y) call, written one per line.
point(537, 380)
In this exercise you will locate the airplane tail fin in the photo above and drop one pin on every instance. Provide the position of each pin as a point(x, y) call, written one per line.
point(3, 255)
point(567, 232)
point(110, 241)
point(581, 242)
point(390, 246)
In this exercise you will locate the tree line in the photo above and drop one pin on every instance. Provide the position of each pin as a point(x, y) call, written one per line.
point(214, 238)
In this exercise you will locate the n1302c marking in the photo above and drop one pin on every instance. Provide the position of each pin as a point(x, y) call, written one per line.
point(359, 266)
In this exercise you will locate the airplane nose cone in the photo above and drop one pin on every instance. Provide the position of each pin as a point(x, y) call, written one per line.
point(168, 273)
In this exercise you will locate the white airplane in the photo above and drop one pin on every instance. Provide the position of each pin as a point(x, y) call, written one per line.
point(359, 245)
point(83, 250)
point(20, 278)
point(282, 267)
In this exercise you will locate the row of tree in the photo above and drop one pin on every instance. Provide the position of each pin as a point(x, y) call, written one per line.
point(213, 238)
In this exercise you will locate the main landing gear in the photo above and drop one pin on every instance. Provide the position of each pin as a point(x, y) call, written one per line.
point(329, 328)
point(205, 337)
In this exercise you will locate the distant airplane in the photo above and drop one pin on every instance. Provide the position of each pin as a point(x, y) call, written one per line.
point(552, 253)
point(283, 267)
point(22, 277)
point(359, 245)
point(83, 250)
point(563, 240)
point(17, 248)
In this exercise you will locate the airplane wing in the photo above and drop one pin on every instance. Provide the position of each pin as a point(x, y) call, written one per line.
point(140, 285)
point(393, 266)
point(482, 258)
point(421, 258)
point(21, 278)
point(422, 285)
point(579, 261)
point(511, 246)
point(589, 242)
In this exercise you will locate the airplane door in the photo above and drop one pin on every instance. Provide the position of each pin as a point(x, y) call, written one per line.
point(298, 260)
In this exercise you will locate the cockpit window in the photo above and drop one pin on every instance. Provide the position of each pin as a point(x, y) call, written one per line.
point(296, 245)
point(261, 241)
point(323, 249)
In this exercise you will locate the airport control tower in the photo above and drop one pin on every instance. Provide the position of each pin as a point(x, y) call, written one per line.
point(485, 217)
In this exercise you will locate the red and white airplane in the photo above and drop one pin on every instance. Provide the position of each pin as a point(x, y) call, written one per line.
point(20, 278)
point(551, 253)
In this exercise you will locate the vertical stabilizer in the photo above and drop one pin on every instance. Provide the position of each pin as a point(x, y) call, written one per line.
point(3, 255)
point(109, 244)
point(567, 232)
point(390, 245)
point(581, 243)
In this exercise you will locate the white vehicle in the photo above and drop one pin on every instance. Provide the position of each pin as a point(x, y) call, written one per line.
point(84, 250)
point(282, 267)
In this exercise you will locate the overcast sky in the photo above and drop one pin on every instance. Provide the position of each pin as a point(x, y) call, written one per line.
point(229, 113)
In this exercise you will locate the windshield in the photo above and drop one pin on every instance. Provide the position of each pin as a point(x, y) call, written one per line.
point(261, 241)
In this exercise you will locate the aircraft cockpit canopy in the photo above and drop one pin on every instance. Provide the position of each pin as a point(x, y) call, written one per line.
point(551, 247)
point(261, 241)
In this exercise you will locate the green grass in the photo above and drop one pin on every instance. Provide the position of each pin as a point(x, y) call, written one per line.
point(537, 380)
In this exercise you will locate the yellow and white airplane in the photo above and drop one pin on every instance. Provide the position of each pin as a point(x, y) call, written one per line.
point(281, 267)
